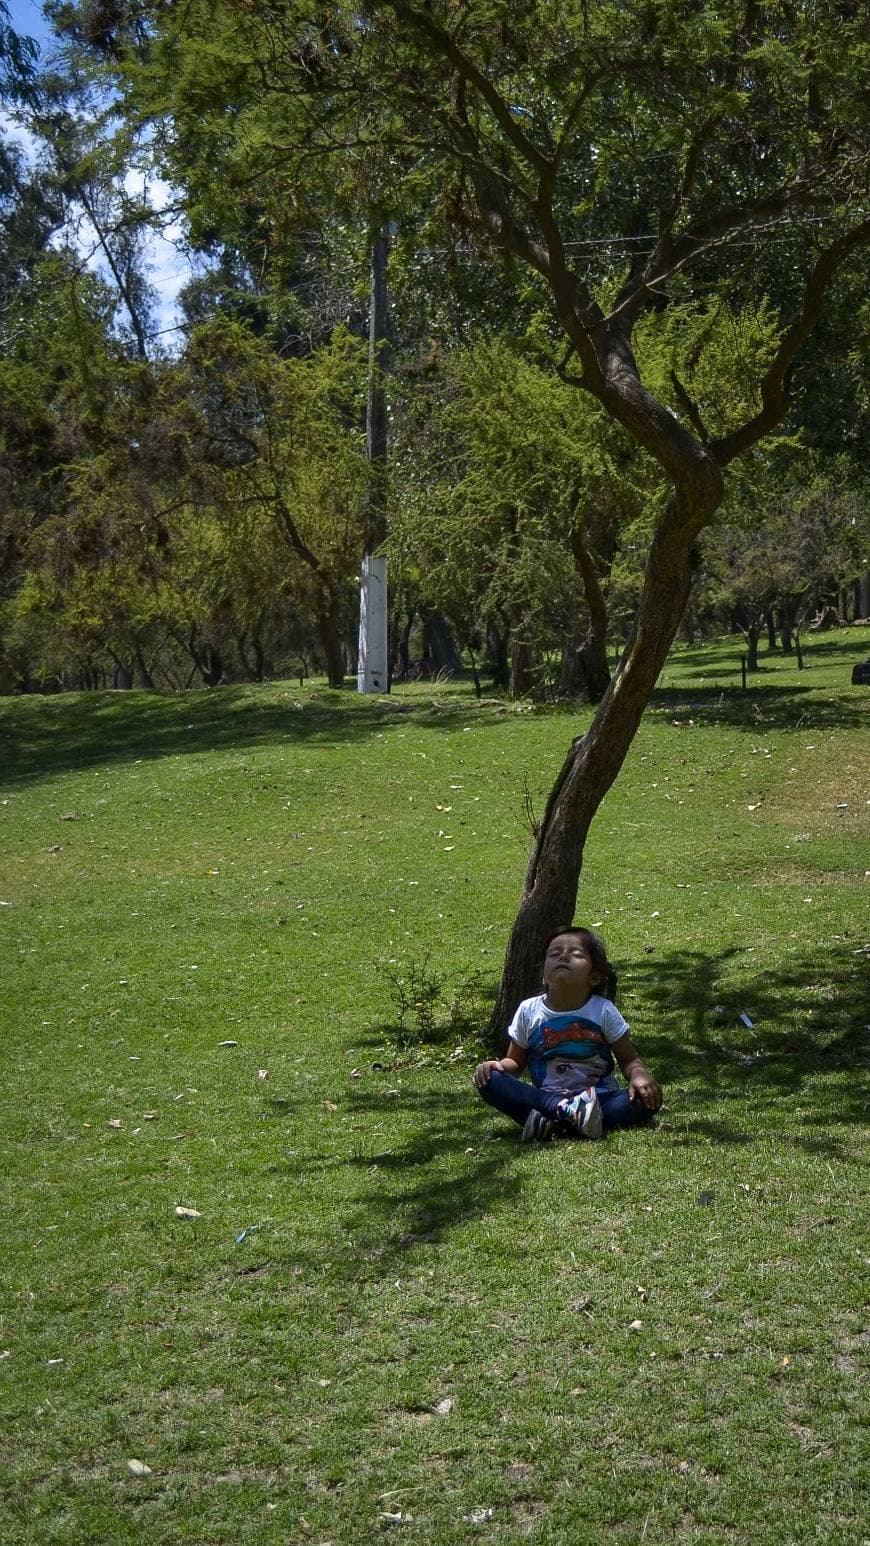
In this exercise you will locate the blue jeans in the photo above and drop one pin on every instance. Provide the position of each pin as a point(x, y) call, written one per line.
point(515, 1098)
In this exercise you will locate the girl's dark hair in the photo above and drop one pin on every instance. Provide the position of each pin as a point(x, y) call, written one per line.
point(597, 955)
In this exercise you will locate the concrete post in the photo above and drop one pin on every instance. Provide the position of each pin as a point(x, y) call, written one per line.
point(373, 649)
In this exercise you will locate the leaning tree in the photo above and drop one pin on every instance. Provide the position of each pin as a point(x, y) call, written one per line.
point(631, 154)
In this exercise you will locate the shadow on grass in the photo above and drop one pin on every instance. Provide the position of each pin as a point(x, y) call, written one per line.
point(797, 1079)
point(452, 1168)
point(75, 731)
point(809, 1034)
point(776, 708)
point(813, 646)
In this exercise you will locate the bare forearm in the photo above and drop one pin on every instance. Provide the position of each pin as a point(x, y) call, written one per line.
point(509, 1066)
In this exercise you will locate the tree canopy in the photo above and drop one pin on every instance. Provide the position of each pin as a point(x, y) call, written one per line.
point(678, 192)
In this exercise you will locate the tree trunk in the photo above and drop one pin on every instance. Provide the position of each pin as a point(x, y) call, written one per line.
point(752, 633)
point(439, 649)
point(585, 669)
point(330, 639)
point(478, 690)
point(497, 655)
point(403, 646)
point(596, 671)
point(770, 625)
point(145, 677)
point(594, 760)
point(593, 670)
point(571, 681)
point(122, 676)
point(259, 658)
point(214, 667)
point(521, 678)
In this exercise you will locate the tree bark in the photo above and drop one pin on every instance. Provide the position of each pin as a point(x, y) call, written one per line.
point(497, 655)
point(145, 677)
point(439, 649)
point(786, 623)
point(752, 634)
point(403, 646)
point(212, 667)
point(594, 760)
point(330, 639)
point(521, 679)
point(593, 672)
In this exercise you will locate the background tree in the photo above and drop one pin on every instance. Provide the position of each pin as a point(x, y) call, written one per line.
point(510, 491)
point(791, 546)
point(631, 156)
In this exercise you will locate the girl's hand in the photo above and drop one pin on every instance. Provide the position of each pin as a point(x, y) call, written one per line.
point(481, 1074)
point(643, 1087)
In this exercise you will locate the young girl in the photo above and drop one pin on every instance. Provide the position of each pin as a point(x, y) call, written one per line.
point(567, 1037)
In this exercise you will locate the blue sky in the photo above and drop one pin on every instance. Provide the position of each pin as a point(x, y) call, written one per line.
point(27, 19)
point(169, 267)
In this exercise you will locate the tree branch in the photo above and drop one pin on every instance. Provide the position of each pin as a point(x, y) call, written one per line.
point(690, 408)
point(774, 386)
point(450, 50)
point(699, 140)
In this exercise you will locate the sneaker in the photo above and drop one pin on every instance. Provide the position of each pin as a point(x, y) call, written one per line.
point(583, 1113)
point(538, 1128)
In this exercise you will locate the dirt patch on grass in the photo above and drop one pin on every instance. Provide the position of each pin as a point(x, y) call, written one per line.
point(528, 1513)
point(800, 874)
point(833, 799)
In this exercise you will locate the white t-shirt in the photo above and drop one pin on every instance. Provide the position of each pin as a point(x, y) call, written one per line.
point(569, 1048)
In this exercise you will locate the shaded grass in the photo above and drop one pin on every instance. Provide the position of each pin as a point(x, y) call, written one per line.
point(252, 879)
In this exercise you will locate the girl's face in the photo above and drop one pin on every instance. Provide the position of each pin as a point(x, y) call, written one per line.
point(568, 969)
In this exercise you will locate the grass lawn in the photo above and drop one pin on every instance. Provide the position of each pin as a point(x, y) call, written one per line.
point(390, 1318)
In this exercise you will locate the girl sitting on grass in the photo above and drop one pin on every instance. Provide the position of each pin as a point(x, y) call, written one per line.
point(567, 1037)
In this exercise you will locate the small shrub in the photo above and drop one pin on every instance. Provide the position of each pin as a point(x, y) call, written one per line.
point(430, 1011)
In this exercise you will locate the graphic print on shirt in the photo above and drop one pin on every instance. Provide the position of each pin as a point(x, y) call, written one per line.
point(569, 1056)
point(569, 1049)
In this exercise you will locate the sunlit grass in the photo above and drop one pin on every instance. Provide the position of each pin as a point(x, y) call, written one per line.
point(250, 866)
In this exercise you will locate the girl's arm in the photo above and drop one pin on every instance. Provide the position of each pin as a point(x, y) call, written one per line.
point(513, 1062)
point(641, 1084)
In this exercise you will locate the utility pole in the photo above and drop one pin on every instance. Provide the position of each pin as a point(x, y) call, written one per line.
point(373, 667)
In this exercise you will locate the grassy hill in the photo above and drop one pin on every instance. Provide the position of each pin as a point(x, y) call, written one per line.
point(214, 907)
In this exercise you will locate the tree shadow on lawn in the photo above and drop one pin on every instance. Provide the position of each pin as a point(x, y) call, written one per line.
point(770, 708)
point(728, 654)
point(418, 1189)
point(75, 731)
point(800, 1048)
point(725, 1087)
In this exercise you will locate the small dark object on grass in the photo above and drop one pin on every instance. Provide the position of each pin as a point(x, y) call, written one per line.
point(861, 674)
point(705, 1199)
point(250, 1229)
